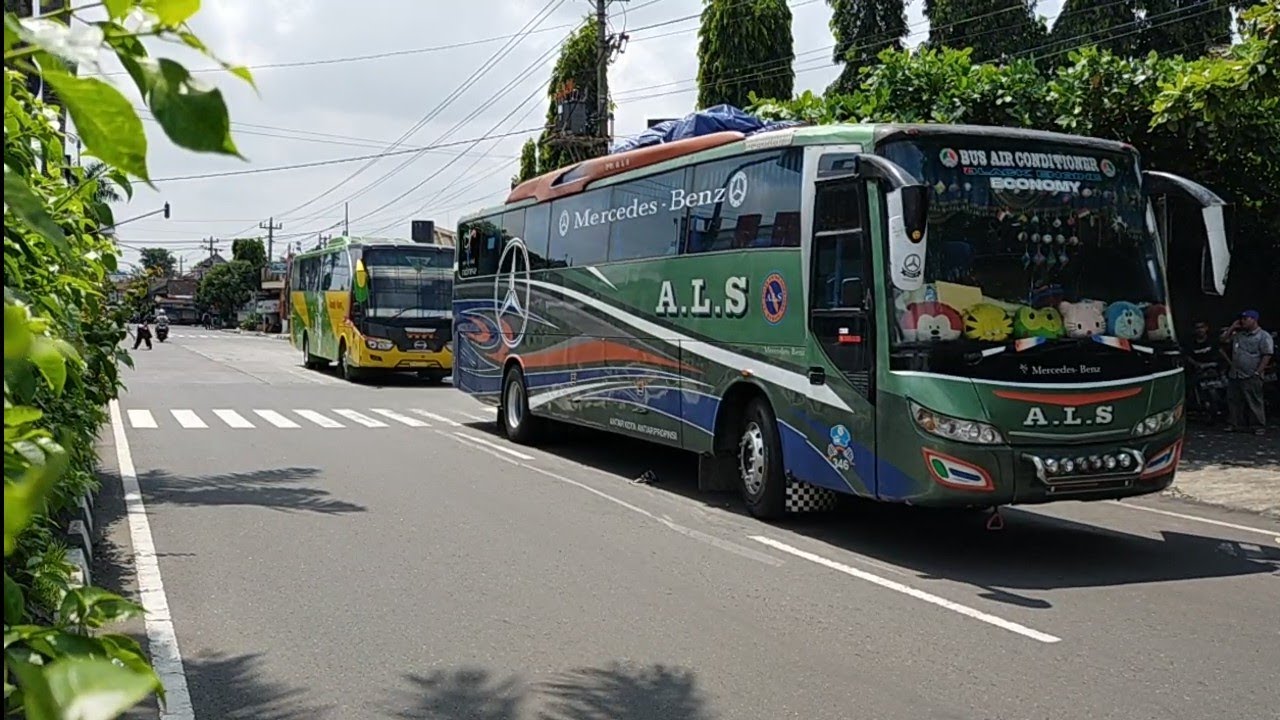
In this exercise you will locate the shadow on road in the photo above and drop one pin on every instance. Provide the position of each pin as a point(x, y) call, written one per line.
point(234, 687)
point(275, 488)
point(1208, 448)
point(1033, 552)
point(615, 692)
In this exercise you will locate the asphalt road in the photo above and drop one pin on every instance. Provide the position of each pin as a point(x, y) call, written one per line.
point(330, 550)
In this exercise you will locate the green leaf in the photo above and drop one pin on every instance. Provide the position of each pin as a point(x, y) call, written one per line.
point(108, 125)
point(14, 606)
point(192, 116)
point(17, 336)
point(117, 9)
point(37, 697)
point(96, 607)
point(175, 12)
point(92, 689)
point(46, 356)
point(20, 415)
point(26, 205)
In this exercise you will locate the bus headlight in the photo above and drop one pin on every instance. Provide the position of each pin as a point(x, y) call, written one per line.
point(967, 431)
point(1159, 422)
point(378, 344)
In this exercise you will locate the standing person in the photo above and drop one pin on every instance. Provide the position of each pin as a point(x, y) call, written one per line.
point(142, 334)
point(1251, 351)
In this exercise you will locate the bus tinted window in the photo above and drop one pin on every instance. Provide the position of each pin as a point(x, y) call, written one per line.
point(537, 226)
point(643, 223)
point(341, 272)
point(479, 247)
point(580, 229)
point(743, 202)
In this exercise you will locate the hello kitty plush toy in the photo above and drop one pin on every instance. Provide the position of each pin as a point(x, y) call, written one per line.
point(1083, 319)
point(1159, 323)
point(926, 321)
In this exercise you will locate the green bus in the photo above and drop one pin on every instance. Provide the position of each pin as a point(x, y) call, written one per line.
point(926, 314)
point(373, 306)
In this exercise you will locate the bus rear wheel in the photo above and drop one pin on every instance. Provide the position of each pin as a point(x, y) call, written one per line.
point(764, 482)
point(309, 361)
point(517, 422)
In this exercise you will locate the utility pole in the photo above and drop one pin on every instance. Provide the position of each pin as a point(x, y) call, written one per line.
point(602, 70)
point(271, 226)
point(181, 259)
point(346, 219)
point(209, 243)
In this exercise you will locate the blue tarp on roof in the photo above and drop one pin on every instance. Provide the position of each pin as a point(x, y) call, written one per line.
point(716, 119)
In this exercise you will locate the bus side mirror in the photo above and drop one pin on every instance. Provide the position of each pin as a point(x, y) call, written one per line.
point(908, 235)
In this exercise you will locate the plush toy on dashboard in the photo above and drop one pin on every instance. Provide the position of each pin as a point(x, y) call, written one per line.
point(1125, 320)
point(923, 321)
point(1037, 322)
point(1082, 319)
point(987, 322)
point(1159, 322)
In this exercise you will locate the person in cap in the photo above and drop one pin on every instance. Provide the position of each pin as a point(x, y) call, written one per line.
point(1251, 351)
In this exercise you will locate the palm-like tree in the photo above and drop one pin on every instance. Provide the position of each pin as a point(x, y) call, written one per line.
point(106, 191)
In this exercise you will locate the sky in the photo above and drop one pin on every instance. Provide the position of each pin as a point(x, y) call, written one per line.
point(318, 105)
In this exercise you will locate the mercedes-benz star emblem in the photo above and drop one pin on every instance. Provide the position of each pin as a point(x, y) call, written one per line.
point(511, 292)
point(564, 223)
point(737, 189)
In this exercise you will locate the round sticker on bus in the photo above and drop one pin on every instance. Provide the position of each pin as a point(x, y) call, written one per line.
point(1108, 168)
point(773, 298)
point(950, 158)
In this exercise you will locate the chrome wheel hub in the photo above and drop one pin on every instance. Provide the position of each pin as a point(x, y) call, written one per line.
point(751, 459)
point(514, 404)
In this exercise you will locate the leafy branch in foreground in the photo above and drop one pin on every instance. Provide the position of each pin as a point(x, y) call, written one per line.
point(62, 340)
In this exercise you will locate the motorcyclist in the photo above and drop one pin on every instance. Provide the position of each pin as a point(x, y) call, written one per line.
point(162, 325)
point(1204, 361)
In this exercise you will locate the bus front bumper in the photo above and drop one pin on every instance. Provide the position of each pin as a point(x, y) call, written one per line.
point(967, 475)
point(395, 359)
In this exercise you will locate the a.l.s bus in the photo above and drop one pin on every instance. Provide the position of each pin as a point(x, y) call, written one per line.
point(930, 314)
point(373, 305)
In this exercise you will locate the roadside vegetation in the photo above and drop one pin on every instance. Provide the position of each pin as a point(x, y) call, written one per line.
point(62, 340)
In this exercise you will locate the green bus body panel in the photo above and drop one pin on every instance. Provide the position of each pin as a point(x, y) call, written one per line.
point(650, 348)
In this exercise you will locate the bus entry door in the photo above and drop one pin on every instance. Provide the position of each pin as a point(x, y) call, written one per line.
point(840, 323)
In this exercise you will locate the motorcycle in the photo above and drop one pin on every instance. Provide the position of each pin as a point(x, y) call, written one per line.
point(162, 332)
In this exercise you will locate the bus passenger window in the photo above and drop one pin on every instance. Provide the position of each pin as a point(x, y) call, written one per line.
point(744, 202)
point(643, 225)
point(580, 229)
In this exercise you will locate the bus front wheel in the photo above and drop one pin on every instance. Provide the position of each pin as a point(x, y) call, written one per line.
point(513, 414)
point(349, 373)
point(764, 483)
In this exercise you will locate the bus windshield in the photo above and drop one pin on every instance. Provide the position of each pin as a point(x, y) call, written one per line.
point(1033, 247)
point(409, 283)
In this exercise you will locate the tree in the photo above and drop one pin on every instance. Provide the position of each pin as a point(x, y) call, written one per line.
point(226, 288)
point(862, 29)
point(158, 261)
point(251, 251)
point(573, 80)
point(1133, 28)
point(995, 29)
point(744, 46)
point(528, 162)
point(1190, 28)
point(105, 191)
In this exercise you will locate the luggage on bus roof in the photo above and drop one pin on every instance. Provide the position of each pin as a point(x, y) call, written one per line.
point(703, 122)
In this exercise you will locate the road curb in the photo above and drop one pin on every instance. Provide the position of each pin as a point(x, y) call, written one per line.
point(79, 535)
point(274, 336)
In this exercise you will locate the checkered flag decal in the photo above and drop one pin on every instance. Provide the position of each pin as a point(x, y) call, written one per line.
point(803, 497)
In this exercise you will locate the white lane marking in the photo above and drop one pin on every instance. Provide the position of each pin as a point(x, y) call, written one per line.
point(1196, 518)
point(142, 419)
point(495, 446)
point(233, 418)
point(475, 417)
point(361, 418)
point(323, 421)
point(437, 418)
point(162, 639)
point(276, 419)
point(698, 535)
point(404, 419)
point(188, 419)
point(930, 598)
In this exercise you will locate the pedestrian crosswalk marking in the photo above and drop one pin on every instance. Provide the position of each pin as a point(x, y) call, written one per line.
point(361, 418)
point(437, 418)
point(276, 419)
point(141, 419)
point(188, 419)
point(323, 421)
point(403, 419)
point(233, 418)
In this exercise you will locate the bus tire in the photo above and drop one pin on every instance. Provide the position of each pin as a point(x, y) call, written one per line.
point(348, 373)
point(309, 361)
point(760, 472)
point(514, 416)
